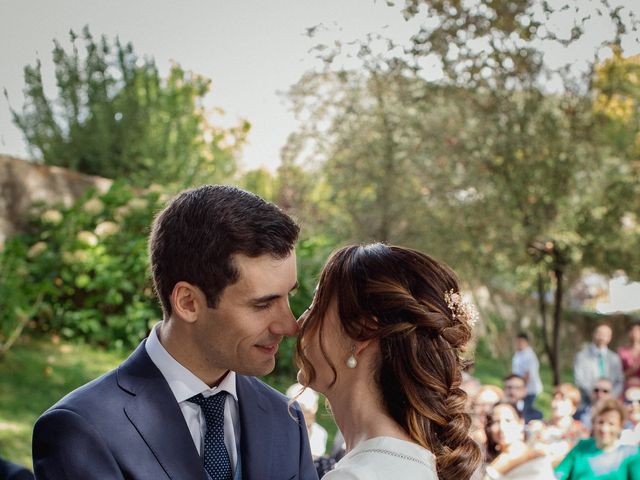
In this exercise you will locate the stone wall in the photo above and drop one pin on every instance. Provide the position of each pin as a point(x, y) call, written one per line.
point(22, 183)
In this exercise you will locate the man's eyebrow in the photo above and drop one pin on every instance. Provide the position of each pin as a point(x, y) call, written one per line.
point(271, 296)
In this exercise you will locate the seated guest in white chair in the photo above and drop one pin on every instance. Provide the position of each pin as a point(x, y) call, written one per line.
point(308, 401)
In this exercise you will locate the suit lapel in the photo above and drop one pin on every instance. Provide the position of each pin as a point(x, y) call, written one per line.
point(155, 414)
point(256, 437)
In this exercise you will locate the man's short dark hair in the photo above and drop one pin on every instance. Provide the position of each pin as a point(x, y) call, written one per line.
point(195, 237)
point(523, 336)
point(512, 376)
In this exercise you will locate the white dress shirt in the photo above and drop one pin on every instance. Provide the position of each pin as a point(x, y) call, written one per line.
point(524, 362)
point(184, 385)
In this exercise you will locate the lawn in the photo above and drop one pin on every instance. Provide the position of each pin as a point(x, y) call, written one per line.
point(36, 373)
point(33, 376)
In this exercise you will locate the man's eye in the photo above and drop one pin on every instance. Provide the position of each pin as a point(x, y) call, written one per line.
point(263, 306)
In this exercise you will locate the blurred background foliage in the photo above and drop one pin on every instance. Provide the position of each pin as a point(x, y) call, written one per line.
point(522, 188)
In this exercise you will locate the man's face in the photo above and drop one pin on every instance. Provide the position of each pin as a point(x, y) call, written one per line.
point(602, 336)
point(514, 390)
point(243, 332)
point(602, 389)
point(521, 344)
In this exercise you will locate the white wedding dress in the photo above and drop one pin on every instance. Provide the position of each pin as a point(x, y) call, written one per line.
point(385, 458)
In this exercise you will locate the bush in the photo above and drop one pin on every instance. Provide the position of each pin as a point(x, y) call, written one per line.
point(82, 271)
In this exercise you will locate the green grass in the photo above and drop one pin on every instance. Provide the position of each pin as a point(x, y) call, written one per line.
point(33, 376)
point(37, 373)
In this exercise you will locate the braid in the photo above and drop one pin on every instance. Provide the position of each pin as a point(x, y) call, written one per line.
point(420, 373)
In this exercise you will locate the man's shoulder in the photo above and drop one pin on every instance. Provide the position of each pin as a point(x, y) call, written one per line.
point(90, 394)
point(260, 386)
point(612, 354)
point(266, 392)
point(585, 351)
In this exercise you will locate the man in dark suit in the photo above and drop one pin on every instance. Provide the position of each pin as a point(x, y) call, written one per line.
point(515, 391)
point(185, 404)
point(12, 471)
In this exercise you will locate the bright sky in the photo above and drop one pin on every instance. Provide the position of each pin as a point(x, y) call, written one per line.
point(251, 49)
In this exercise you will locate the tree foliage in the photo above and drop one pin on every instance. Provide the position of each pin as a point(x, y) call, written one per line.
point(516, 185)
point(116, 117)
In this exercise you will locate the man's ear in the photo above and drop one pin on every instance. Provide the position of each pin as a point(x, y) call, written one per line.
point(187, 301)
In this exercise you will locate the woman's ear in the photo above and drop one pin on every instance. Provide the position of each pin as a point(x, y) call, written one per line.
point(361, 346)
point(187, 301)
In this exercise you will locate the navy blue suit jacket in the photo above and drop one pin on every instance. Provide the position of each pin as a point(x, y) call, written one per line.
point(127, 425)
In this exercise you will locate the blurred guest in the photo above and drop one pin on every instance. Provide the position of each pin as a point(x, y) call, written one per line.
point(308, 401)
point(470, 384)
point(11, 471)
point(596, 361)
point(482, 404)
point(509, 457)
point(562, 431)
point(602, 389)
point(525, 363)
point(515, 391)
point(602, 456)
point(631, 432)
point(630, 355)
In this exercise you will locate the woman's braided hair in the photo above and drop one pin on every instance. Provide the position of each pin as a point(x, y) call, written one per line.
point(397, 296)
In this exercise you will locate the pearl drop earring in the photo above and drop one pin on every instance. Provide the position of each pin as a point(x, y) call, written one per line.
point(351, 361)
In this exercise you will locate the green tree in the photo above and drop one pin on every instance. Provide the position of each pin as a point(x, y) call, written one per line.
point(487, 168)
point(361, 137)
point(115, 116)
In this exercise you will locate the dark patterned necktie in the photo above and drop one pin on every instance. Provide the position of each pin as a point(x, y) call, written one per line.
point(216, 457)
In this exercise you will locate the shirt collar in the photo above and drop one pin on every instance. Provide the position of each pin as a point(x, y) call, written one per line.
point(183, 383)
point(599, 350)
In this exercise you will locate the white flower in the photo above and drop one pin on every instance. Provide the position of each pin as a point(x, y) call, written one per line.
point(79, 256)
point(138, 203)
point(104, 229)
point(121, 212)
point(52, 217)
point(93, 206)
point(155, 188)
point(67, 257)
point(36, 249)
point(88, 238)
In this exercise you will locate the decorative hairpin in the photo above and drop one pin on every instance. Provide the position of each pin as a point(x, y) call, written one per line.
point(461, 310)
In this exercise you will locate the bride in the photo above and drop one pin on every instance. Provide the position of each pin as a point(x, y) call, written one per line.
point(382, 341)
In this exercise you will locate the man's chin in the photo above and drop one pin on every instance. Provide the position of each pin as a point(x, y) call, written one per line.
point(265, 368)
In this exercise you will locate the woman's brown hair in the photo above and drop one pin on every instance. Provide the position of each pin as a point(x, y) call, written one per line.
point(605, 405)
point(569, 392)
point(397, 296)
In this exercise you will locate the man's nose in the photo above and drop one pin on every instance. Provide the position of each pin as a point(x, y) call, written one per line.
point(285, 324)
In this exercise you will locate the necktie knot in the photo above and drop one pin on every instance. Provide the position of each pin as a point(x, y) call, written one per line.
point(212, 407)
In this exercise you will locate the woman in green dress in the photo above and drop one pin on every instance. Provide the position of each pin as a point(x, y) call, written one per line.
point(602, 456)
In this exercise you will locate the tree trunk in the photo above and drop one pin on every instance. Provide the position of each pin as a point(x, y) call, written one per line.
point(557, 317)
point(542, 305)
point(385, 192)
